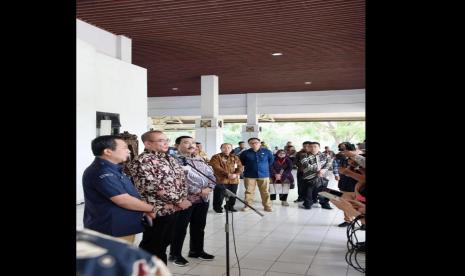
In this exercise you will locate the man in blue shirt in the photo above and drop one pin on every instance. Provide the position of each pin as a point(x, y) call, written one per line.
point(257, 162)
point(112, 203)
point(99, 254)
point(237, 151)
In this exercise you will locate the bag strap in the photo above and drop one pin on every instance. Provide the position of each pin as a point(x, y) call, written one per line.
point(318, 164)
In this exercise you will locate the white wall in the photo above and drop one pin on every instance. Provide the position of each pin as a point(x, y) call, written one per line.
point(105, 84)
point(116, 46)
point(336, 101)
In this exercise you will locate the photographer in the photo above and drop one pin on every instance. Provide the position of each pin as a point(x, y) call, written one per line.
point(347, 181)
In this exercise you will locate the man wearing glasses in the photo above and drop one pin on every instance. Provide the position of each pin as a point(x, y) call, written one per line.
point(161, 181)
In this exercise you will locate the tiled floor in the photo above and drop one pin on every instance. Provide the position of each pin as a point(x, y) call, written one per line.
point(289, 241)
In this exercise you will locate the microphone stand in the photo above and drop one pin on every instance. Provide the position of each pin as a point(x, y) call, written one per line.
point(228, 194)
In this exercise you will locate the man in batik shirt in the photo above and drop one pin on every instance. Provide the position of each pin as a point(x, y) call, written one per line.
point(161, 181)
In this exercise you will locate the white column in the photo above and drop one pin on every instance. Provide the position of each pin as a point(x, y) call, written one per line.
point(251, 129)
point(149, 123)
point(209, 128)
point(124, 48)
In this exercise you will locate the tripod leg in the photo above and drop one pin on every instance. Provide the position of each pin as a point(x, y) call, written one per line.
point(226, 229)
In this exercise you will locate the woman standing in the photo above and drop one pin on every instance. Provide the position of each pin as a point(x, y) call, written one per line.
point(281, 177)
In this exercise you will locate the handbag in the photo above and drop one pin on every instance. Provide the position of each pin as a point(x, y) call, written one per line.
point(320, 182)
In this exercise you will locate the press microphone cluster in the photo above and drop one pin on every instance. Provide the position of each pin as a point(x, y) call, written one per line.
point(182, 158)
point(227, 192)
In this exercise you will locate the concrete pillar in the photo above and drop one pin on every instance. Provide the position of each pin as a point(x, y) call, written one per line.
point(252, 128)
point(124, 48)
point(209, 128)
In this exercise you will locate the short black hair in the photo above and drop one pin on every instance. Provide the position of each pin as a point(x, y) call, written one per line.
point(225, 144)
point(348, 145)
point(179, 139)
point(253, 138)
point(315, 143)
point(306, 143)
point(103, 142)
point(240, 142)
point(147, 134)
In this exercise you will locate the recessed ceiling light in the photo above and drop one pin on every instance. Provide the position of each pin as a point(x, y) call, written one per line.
point(174, 88)
point(277, 54)
point(308, 82)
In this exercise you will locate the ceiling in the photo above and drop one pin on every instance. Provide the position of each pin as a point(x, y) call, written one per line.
point(322, 42)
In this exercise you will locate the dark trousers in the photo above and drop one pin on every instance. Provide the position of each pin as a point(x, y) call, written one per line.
point(196, 215)
point(156, 239)
point(218, 196)
point(311, 193)
point(316, 197)
point(300, 188)
point(281, 197)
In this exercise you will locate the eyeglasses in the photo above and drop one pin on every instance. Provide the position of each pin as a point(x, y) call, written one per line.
point(161, 141)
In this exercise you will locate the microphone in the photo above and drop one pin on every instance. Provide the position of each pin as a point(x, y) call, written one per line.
point(229, 193)
point(178, 157)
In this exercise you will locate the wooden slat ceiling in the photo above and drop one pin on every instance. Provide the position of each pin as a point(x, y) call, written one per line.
point(322, 41)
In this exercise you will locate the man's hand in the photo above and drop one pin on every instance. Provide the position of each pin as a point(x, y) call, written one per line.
point(206, 191)
point(151, 215)
point(185, 204)
point(277, 176)
point(357, 188)
point(359, 206)
point(345, 206)
point(343, 170)
point(321, 173)
point(168, 206)
point(337, 177)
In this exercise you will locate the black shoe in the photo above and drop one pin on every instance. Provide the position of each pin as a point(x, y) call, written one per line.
point(298, 200)
point(326, 206)
point(218, 210)
point(180, 261)
point(206, 257)
point(344, 224)
point(203, 256)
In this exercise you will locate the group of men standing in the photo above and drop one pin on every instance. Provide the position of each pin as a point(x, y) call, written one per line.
point(164, 193)
point(161, 194)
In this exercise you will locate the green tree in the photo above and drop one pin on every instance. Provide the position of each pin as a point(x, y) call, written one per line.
point(232, 133)
point(326, 133)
